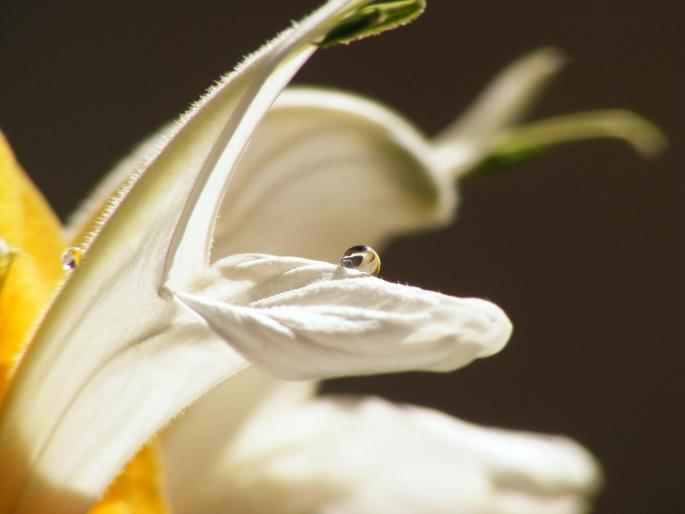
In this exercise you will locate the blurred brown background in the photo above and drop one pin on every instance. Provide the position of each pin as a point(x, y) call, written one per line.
point(583, 247)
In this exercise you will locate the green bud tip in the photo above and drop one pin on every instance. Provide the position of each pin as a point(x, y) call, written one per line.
point(373, 19)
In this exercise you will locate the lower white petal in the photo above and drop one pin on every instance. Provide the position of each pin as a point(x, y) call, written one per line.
point(371, 457)
point(195, 441)
point(301, 319)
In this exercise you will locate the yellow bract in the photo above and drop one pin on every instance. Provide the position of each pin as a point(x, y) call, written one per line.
point(34, 235)
point(137, 489)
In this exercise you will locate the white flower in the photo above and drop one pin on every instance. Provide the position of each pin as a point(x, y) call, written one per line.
point(117, 355)
point(153, 318)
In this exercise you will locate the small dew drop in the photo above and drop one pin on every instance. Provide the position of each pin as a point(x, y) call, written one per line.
point(71, 258)
point(362, 258)
point(5, 256)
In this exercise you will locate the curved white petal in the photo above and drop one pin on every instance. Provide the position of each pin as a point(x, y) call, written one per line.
point(107, 366)
point(301, 319)
point(365, 172)
point(371, 457)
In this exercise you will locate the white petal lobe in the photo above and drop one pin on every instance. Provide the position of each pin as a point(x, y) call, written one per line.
point(302, 319)
point(364, 171)
point(343, 456)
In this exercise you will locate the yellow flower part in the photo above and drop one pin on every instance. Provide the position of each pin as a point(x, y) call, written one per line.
point(137, 489)
point(30, 271)
point(32, 234)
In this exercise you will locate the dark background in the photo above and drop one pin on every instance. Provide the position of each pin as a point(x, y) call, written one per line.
point(583, 248)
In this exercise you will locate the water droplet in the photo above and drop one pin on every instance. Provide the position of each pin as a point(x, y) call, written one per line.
point(362, 258)
point(71, 258)
point(5, 256)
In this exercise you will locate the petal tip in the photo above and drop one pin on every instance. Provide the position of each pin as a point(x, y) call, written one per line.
point(497, 329)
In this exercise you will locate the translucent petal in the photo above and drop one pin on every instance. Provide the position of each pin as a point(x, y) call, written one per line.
point(365, 172)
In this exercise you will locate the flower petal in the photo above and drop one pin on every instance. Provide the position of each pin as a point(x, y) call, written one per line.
point(301, 319)
point(109, 363)
point(365, 172)
point(341, 456)
point(139, 489)
point(194, 442)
